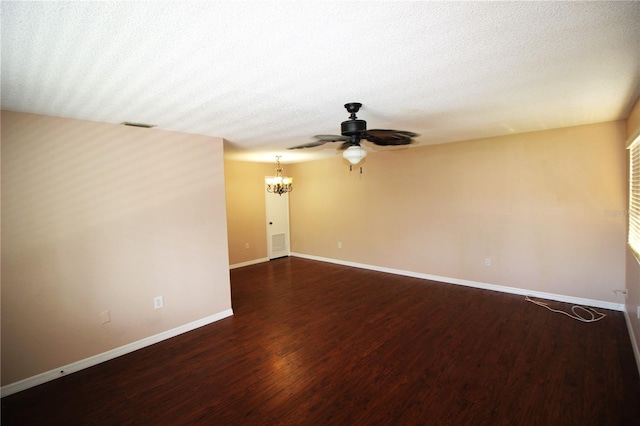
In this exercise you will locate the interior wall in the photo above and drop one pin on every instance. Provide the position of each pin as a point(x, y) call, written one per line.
point(246, 221)
point(546, 208)
point(632, 302)
point(633, 121)
point(99, 217)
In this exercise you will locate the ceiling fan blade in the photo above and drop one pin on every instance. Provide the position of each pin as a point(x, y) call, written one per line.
point(385, 137)
point(309, 145)
point(322, 139)
point(381, 132)
point(332, 138)
point(345, 145)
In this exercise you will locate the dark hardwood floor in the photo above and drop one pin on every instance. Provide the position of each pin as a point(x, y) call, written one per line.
point(313, 343)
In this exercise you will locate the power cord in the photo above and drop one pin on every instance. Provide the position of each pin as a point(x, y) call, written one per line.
point(595, 315)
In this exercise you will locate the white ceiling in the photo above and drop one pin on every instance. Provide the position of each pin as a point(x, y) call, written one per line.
point(269, 75)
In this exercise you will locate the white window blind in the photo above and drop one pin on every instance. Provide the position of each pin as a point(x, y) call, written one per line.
point(634, 196)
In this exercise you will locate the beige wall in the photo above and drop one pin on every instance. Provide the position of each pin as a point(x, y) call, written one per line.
point(633, 121)
point(546, 207)
point(246, 210)
point(633, 266)
point(100, 217)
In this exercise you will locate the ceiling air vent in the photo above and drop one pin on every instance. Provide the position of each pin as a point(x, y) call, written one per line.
point(146, 126)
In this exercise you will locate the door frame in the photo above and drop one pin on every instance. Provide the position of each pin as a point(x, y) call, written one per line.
point(271, 200)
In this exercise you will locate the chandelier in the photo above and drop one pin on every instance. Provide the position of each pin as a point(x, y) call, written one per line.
point(279, 184)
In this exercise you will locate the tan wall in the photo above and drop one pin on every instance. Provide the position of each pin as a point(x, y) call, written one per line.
point(633, 121)
point(244, 183)
point(546, 207)
point(633, 265)
point(100, 217)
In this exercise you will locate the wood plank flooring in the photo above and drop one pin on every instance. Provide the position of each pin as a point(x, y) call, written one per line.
point(313, 343)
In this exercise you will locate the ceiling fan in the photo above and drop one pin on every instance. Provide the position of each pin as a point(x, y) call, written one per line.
point(355, 130)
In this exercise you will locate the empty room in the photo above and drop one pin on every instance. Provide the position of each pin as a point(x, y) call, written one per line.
point(320, 213)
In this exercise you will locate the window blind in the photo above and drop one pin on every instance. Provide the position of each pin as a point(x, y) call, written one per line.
point(634, 196)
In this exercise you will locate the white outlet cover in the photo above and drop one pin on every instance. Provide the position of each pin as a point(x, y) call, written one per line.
point(158, 302)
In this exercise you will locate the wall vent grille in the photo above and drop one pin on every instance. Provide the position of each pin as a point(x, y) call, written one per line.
point(278, 243)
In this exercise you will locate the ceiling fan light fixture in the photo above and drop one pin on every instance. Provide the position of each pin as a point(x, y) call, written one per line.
point(354, 154)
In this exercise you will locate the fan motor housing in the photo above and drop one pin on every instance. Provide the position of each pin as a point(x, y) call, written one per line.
point(353, 127)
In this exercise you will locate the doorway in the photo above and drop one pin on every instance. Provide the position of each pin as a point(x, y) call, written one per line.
point(277, 215)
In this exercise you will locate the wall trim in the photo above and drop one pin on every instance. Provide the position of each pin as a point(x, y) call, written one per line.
point(632, 336)
point(476, 284)
point(249, 262)
point(65, 370)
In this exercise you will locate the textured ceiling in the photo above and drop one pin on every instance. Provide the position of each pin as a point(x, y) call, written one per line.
point(269, 75)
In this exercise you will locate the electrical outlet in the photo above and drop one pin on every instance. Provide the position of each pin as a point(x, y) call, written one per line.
point(487, 261)
point(638, 312)
point(105, 316)
point(339, 244)
point(158, 302)
point(246, 245)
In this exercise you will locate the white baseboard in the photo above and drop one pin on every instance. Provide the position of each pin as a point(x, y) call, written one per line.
point(47, 376)
point(632, 336)
point(476, 284)
point(249, 262)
